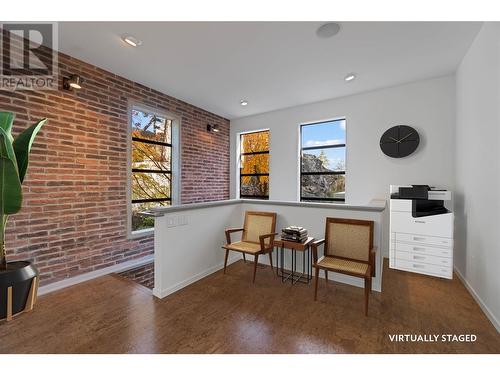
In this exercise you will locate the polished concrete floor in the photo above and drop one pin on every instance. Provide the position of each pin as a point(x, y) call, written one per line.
point(229, 314)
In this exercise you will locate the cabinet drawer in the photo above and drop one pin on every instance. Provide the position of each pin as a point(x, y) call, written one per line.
point(428, 259)
point(423, 249)
point(428, 269)
point(417, 239)
point(437, 225)
point(401, 205)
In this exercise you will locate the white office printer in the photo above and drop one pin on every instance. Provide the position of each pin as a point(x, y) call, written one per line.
point(421, 230)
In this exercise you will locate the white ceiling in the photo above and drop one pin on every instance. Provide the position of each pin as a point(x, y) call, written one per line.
point(272, 65)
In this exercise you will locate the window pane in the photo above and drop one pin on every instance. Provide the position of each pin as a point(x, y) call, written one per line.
point(144, 222)
point(323, 160)
point(150, 156)
point(151, 126)
point(150, 185)
point(254, 186)
point(323, 134)
point(255, 142)
point(258, 163)
point(323, 186)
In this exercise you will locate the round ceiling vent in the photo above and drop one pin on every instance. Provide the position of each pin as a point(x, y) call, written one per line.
point(328, 30)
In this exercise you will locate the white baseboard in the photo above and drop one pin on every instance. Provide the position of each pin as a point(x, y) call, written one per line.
point(493, 319)
point(94, 274)
point(184, 283)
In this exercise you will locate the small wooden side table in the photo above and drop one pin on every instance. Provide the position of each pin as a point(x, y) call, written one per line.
point(303, 247)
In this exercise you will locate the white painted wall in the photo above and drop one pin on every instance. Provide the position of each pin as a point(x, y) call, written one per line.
point(188, 245)
point(477, 198)
point(188, 239)
point(426, 105)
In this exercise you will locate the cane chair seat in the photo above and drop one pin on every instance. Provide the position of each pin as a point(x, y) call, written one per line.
point(244, 247)
point(345, 265)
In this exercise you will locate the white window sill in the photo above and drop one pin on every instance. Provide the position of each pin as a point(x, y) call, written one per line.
point(140, 233)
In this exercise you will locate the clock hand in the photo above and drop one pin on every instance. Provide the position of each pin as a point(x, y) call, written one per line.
point(395, 140)
point(402, 139)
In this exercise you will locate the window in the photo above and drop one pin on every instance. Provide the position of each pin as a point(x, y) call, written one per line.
point(151, 165)
point(322, 167)
point(254, 165)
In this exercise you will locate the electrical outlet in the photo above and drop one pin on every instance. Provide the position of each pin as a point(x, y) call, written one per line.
point(175, 221)
point(171, 222)
point(183, 220)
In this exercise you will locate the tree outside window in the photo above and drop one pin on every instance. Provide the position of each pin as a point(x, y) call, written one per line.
point(254, 165)
point(151, 165)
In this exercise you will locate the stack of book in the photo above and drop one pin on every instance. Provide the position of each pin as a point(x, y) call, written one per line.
point(294, 233)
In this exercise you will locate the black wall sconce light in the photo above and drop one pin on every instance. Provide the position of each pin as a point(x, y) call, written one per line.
point(212, 128)
point(74, 81)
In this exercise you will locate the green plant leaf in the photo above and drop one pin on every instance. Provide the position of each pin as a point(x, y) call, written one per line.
point(6, 121)
point(10, 186)
point(22, 147)
point(6, 148)
point(11, 197)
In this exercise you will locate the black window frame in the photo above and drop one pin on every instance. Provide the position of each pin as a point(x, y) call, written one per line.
point(245, 196)
point(302, 173)
point(143, 170)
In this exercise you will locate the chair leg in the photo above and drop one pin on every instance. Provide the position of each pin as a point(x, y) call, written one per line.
point(326, 276)
point(316, 277)
point(271, 261)
point(367, 293)
point(244, 258)
point(256, 260)
point(225, 260)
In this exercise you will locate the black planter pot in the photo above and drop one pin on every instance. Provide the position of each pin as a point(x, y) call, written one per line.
point(19, 276)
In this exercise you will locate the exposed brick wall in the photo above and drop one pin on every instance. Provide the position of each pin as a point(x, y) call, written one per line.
point(74, 214)
point(144, 275)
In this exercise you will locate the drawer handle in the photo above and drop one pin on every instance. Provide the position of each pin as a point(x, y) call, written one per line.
point(418, 257)
point(418, 266)
point(418, 248)
point(418, 239)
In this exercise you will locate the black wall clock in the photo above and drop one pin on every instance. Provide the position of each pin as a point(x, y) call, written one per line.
point(399, 141)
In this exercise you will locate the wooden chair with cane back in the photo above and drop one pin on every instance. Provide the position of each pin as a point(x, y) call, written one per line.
point(348, 249)
point(257, 237)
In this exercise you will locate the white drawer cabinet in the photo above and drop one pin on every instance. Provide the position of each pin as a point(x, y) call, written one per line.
point(422, 258)
point(424, 240)
point(428, 269)
point(423, 249)
point(420, 244)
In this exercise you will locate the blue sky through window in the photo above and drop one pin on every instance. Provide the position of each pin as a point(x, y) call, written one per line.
point(326, 134)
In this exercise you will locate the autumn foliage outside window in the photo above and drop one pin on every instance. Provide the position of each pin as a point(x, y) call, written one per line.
point(151, 165)
point(254, 165)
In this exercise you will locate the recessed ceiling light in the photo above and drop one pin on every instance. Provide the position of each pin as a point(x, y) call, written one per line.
point(131, 40)
point(243, 102)
point(328, 30)
point(350, 77)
